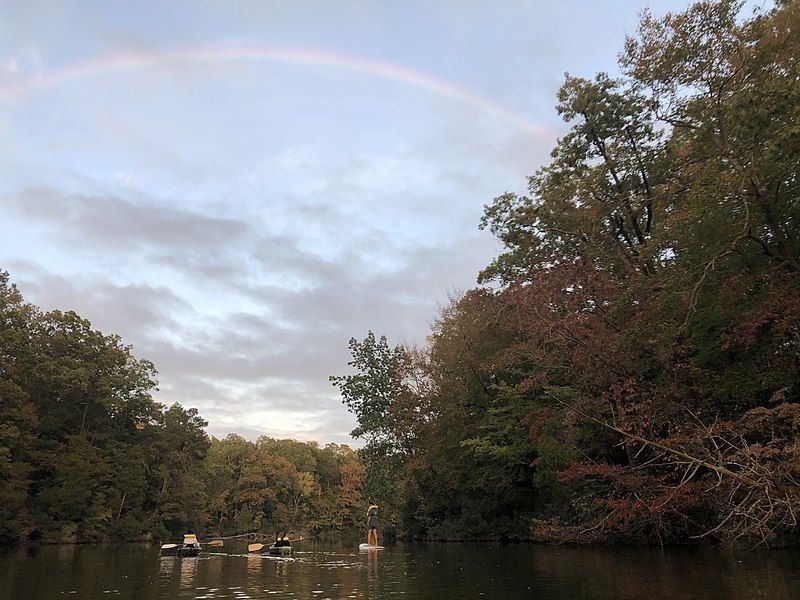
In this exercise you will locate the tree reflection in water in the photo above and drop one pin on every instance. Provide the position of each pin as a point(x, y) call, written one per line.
point(440, 571)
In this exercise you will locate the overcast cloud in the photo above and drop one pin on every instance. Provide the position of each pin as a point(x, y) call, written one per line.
point(237, 215)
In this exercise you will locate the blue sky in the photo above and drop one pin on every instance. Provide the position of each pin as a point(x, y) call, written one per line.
point(238, 187)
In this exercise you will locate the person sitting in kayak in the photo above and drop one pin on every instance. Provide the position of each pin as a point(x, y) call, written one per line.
point(282, 539)
point(190, 541)
point(372, 522)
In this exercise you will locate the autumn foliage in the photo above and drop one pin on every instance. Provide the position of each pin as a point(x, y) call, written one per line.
point(629, 371)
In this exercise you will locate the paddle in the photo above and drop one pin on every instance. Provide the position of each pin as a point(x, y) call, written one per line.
point(215, 543)
point(255, 547)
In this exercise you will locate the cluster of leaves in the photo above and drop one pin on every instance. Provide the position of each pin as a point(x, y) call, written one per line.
point(86, 454)
point(632, 374)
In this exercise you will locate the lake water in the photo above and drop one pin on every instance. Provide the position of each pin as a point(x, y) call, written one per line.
point(437, 571)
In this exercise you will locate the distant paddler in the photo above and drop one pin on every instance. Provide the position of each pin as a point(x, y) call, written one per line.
point(372, 523)
point(282, 546)
point(282, 540)
point(190, 546)
point(372, 526)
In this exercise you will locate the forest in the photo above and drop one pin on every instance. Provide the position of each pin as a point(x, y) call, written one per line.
point(627, 369)
point(87, 454)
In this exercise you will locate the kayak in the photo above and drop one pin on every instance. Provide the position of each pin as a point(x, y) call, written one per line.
point(369, 547)
point(280, 550)
point(179, 550)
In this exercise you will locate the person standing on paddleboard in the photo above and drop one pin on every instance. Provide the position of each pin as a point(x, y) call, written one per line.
point(372, 522)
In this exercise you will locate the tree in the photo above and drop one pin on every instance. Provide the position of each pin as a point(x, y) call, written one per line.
point(632, 373)
point(85, 451)
point(378, 394)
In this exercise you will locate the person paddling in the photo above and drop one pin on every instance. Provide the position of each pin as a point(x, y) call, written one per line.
point(372, 522)
point(190, 541)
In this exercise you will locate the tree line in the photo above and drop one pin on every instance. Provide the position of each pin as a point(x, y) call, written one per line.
point(87, 454)
point(627, 369)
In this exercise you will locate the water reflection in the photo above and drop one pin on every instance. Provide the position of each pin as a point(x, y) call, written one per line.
point(66, 552)
point(188, 571)
point(166, 565)
point(254, 563)
point(372, 566)
point(440, 571)
point(281, 568)
point(349, 579)
point(213, 568)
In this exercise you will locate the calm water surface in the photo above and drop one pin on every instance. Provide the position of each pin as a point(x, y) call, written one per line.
point(438, 571)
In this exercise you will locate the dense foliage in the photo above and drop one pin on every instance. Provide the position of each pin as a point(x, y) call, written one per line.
point(631, 373)
point(282, 484)
point(86, 454)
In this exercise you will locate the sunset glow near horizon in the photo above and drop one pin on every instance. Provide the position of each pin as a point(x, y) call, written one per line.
point(236, 189)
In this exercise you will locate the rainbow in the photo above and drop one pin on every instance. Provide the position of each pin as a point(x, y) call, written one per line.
point(303, 57)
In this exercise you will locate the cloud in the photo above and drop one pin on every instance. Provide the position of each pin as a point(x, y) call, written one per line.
point(238, 223)
point(111, 221)
point(241, 322)
point(141, 308)
point(245, 376)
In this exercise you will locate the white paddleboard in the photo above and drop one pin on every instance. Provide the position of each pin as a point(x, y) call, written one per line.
point(369, 547)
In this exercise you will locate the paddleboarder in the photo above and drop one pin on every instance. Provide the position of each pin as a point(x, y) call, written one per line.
point(372, 522)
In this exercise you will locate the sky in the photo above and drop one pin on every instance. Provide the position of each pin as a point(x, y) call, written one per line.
point(237, 188)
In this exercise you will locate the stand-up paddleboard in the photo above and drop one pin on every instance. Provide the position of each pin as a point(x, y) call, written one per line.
point(369, 547)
